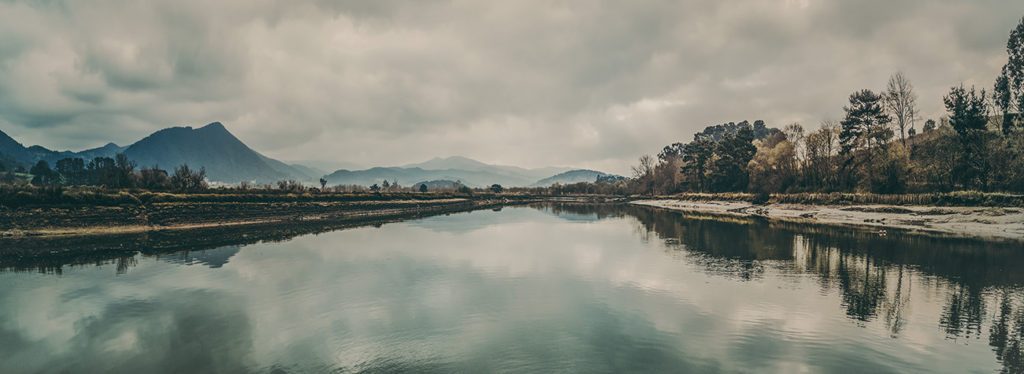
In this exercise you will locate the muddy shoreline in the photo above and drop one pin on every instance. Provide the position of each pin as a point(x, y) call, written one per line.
point(982, 223)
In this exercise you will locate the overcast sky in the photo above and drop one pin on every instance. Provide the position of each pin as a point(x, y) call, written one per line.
point(531, 83)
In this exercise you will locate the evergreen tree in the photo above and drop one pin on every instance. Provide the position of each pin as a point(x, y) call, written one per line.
point(865, 121)
point(1009, 88)
point(968, 115)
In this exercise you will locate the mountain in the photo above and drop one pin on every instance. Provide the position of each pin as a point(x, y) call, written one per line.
point(13, 149)
point(571, 176)
point(465, 170)
point(225, 158)
point(468, 164)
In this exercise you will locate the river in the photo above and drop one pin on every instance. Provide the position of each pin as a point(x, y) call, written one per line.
point(553, 288)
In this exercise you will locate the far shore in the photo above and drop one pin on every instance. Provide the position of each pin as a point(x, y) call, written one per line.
point(987, 223)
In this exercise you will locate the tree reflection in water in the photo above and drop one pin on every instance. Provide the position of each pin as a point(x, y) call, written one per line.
point(982, 281)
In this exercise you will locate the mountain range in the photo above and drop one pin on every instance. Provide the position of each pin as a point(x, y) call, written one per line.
point(228, 160)
point(460, 169)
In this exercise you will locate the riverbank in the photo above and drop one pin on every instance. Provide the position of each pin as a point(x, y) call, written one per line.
point(99, 220)
point(988, 223)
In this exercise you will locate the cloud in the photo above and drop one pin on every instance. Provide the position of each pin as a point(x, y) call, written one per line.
point(532, 83)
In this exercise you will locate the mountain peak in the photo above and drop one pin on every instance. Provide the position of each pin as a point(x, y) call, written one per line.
point(214, 126)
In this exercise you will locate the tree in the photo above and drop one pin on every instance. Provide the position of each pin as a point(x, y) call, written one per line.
point(888, 169)
point(695, 159)
point(1009, 88)
point(865, 120)
point(727, 170)
point(423, 188)
point(929, 125)
point(968, 115)
point(901, 101)
point(666, 175)
point(323, 184)
point(188, 180)
point(101, 171)
point(153, 178)
point(794, 133)
point(496, 188)
point(375, 188)
point(643, 174)
point(72, 170)
point(967, 109)
point(386, 184)
point(774, 166)
point(821, 147)
point(42, 175)
point(124, 172)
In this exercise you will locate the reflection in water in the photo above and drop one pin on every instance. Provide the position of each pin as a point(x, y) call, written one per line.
point(214, 258)
point(564, 287)
point(872, 273)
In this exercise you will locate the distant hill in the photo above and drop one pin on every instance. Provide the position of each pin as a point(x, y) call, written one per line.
point(573, 176)
point(109, 150)
point(225, 158)
point(468, 171)
point(436, 184)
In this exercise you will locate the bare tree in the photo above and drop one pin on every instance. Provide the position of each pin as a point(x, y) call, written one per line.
point(645, 168)
point(644, 173)
point(795, 134)
point(901, 101)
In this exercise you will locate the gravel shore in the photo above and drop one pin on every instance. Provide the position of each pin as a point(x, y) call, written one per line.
point(991, 223)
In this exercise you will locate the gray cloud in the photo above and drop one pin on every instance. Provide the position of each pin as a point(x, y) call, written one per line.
point(533, 83)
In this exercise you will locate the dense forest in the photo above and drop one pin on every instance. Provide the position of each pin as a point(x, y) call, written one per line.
point(876, 147)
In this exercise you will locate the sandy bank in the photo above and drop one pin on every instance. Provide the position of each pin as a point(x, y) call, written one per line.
point(992, 223)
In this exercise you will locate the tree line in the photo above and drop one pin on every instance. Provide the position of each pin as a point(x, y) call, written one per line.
point(876, 147)
point(116, 172)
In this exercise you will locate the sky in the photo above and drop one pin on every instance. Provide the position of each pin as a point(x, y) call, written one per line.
point(592, 84)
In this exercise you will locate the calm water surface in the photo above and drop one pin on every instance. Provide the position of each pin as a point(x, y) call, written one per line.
point(553, 289)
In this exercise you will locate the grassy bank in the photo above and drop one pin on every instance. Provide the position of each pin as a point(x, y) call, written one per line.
point(13, 197)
